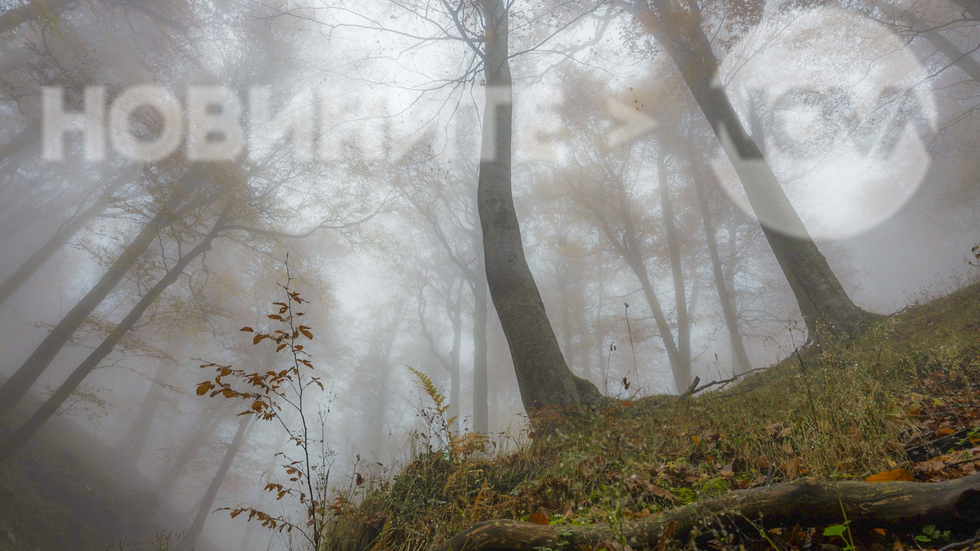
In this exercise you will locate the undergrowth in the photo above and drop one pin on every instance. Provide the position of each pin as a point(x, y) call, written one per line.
point(843, 411)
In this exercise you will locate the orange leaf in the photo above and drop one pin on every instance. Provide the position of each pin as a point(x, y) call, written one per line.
point(203, 388)
point(539, 518)
point(889, 476)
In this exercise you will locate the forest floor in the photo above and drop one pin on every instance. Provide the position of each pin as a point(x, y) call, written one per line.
point(900, 403)
point(64, 491)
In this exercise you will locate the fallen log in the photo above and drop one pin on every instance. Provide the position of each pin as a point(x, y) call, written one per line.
point(900, 506)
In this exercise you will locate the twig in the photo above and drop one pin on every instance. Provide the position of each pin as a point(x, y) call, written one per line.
point(962, 544)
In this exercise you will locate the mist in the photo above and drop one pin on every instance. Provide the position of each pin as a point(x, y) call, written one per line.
point(231, 229)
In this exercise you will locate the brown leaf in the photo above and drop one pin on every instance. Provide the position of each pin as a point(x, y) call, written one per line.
point(247, 329)
point(203, 388)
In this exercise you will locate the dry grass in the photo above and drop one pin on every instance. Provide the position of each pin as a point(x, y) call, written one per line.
point(841, 412)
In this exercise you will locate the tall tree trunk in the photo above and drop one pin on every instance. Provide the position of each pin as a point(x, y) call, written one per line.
point(542, 375)
point(566, 319)
point(64, 234)
point(456, 317)
point(381, 407)
point(680, 371)
point(51, 405)
point(197, 527)
point(384, 367)
point(20, 382)
point(822, 300)
point(481, 413)
point(677, 271)
point(724, 295)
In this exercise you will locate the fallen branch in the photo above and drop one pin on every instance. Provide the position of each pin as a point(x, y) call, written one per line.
point(727, 381)
point(900, 506)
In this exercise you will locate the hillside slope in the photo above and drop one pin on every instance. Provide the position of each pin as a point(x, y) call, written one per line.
point(900, 403)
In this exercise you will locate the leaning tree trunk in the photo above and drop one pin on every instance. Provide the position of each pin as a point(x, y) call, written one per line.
point(822, 300)
point(63, 235)
point(20, 382)
point(629, 250)
point(542, 375)
point(899, 506)
point(51, 405)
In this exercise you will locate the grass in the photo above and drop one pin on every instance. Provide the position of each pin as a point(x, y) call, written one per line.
point(842, 412)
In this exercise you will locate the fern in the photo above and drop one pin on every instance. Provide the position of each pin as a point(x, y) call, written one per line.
point(426, 385)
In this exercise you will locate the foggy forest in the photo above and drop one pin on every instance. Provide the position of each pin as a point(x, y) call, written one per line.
point(489, 274)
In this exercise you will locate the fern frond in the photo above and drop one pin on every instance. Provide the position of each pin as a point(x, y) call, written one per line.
point(429, 388)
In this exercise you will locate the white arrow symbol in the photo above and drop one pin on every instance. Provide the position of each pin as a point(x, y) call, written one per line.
point(636, 124)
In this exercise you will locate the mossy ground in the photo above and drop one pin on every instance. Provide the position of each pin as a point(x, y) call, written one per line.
point(844, 411)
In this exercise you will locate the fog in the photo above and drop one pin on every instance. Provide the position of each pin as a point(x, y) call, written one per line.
point(171, 171)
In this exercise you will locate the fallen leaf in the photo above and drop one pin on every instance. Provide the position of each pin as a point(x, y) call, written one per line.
point(539, 518)
point(889, 476)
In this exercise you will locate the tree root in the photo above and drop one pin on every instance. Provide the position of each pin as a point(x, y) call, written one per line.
point(905, 506)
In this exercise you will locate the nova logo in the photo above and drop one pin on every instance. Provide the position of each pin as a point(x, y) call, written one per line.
point(806, 123)
point(843, 112)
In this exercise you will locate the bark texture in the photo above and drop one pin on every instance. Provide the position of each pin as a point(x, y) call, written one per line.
point(542, 375)
point(899, 506)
